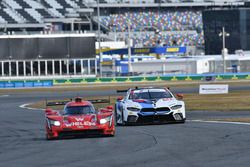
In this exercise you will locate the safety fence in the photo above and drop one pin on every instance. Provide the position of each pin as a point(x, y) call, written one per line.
point(49, 83)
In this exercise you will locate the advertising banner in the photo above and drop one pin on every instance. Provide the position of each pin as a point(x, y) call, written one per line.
point(155, 50)
point(213, 89)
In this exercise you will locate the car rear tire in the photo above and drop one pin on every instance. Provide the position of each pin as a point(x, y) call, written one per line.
point(116, 118)
point(123, 122)
point(115, 113)
point(51, 138)
point(183, 121)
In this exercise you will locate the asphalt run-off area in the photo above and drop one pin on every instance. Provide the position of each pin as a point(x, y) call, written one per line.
point(198, 142)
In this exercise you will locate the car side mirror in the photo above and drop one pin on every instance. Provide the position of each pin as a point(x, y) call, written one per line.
point(179, 96)
point(49, 111)
point(110, 108)
point(119, 98)
point(106, 110)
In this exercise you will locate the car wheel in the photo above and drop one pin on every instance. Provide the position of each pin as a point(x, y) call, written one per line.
point(51, 138)
point(48, 137)
point(116, 118)
point(112, 135)
point(183, 121)
point(123, 122)
point(122, 119)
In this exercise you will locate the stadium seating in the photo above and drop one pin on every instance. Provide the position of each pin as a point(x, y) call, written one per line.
point(186, 24)
point(5, 17)
point(34, 11)
point(161, 1)
point(163, 20)
point(157, 26)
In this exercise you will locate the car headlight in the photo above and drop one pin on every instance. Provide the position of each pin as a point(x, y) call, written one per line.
point(133, 109)
point(105, 120)
point(55, 123)
point(176, 107)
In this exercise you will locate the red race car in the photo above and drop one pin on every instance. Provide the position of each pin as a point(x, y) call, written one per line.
point(79, 118)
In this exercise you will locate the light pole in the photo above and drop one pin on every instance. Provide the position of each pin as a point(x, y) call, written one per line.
point(224, 49)
point(99, 37)
point(129, 43)
point(129, 48)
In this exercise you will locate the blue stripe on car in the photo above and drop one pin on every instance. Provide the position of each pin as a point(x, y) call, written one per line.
point(146, 105)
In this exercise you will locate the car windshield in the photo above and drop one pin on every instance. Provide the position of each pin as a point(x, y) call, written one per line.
point(149, 94)
point(75, 110)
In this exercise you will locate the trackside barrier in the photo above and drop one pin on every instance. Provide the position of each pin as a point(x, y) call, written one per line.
point(50, 83)
point(196, 77)
point(26, 84)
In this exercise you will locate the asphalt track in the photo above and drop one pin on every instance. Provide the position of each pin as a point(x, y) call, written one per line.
point(193, 144)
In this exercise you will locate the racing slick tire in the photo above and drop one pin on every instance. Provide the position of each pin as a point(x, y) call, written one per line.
point(111, 135)
point(183, 121)
point(51, 138)
point(116, 124)
point(122, 118)
point(123, 122)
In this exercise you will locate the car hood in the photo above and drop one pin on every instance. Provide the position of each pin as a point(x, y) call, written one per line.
point(79, 118)
point(142, 103)
point(74, 118)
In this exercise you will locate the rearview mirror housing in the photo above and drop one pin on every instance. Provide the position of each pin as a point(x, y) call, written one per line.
point(49, 111)
point(110, 108)
point(179, 96)
point(119, 98)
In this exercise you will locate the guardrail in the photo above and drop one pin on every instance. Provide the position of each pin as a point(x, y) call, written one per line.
point(26, 83)
point(81, 80)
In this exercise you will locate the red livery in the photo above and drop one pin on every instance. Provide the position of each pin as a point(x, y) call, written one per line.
point(79, 118)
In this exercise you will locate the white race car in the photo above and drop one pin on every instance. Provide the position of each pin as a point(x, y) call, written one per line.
point(149, 105)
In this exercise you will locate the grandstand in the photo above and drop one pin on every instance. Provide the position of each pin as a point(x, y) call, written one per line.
point(159, 26)
point(152, 22)
point(34, 11)
point(149, 23)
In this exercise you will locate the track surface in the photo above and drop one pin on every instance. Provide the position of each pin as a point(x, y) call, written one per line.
point(193, 144)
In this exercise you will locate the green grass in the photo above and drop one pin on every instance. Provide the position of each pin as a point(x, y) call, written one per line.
point(235, 101)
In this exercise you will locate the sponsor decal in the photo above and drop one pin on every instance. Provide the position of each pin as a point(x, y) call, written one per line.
point(80, 124)
point(79, 119)
point(107, 63)
point(89, 123)
point(172, 49)
point(142, 50)
point(167, 99)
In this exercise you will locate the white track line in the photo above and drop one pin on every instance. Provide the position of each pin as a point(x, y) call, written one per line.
point(4, 95)
point(201, 121)
point(220, 122)
point(29, 108)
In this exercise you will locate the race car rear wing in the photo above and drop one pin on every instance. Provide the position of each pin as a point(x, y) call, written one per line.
point(57, 103)
point(138, 88)
point(121, 91)
point(99, 101)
